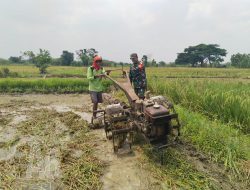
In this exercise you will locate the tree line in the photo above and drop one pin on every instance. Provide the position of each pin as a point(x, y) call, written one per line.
point(210, 55)
point(84, 57)
point(201, 55)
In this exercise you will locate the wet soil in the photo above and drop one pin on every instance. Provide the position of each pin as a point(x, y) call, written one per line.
point(122, 170)
point(217, 174)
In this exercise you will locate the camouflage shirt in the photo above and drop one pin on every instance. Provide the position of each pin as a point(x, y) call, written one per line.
point(137, 76)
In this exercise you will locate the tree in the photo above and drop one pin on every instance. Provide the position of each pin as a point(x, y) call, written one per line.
point(4, 72)
point(240, 60)
point(67, 58)
point(91, 52)
point(145, 60)
point(30, 55)
point(153, 63)
point(86, 55)
point(161, 64)
point(15, 59)
point(185, 59)
point(201, 54)
point(56, 61)
point(42, 60)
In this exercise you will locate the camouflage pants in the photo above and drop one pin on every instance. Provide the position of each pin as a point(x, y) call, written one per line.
point(140, 92)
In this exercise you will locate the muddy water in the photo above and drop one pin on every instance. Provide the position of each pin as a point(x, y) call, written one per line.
point(8, 134)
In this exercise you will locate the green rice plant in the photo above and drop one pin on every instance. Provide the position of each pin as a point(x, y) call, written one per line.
point(30, 71)
point(227, 101)
point(183, 72)
point(220, 143)
point(175, 72)
point(51, 85)
point(223, 143)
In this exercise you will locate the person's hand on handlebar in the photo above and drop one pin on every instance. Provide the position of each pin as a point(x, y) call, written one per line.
point(100, 76)
point(108, 72)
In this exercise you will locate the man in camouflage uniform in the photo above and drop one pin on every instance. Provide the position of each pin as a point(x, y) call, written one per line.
point(137, 76)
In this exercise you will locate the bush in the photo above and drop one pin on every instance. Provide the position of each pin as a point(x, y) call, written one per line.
point(4, 72)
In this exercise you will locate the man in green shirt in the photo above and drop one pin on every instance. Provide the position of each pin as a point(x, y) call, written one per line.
point(95, 74)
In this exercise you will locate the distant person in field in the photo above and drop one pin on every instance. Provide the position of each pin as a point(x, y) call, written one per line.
point(137, 76)
point(95, 74)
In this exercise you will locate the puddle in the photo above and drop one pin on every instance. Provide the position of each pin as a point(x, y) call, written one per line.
point(7, 153)
point(46, 168)
point(84, 115)
point(7, 133)
point(18, 119)
point(61, 108)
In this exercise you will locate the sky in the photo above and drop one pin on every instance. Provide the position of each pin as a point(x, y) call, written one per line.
point(116, 28)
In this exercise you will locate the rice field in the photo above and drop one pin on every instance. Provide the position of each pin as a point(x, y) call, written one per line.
point(50, 85)
point(214, 110)
point(225, 100)
point(172, 72)
point(222, 143)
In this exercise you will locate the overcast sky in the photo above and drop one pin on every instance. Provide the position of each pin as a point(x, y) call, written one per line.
point(116, 28)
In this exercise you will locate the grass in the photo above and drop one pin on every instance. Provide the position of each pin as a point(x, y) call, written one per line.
point(51, 85)
point(28, 71)
point(176, 172)
point(222, 143)
point(31, 71)
point(218, 99)
point(198, 72)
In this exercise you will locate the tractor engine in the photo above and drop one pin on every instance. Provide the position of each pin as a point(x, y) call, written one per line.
point(154, 118)
point(155, 122)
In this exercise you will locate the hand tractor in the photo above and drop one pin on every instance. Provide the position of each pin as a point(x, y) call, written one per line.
point(154, 118)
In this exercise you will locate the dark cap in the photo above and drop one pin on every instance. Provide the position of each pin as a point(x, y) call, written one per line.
point(133, 55)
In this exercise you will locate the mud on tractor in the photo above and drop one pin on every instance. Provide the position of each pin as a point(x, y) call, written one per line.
point(154, 118)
